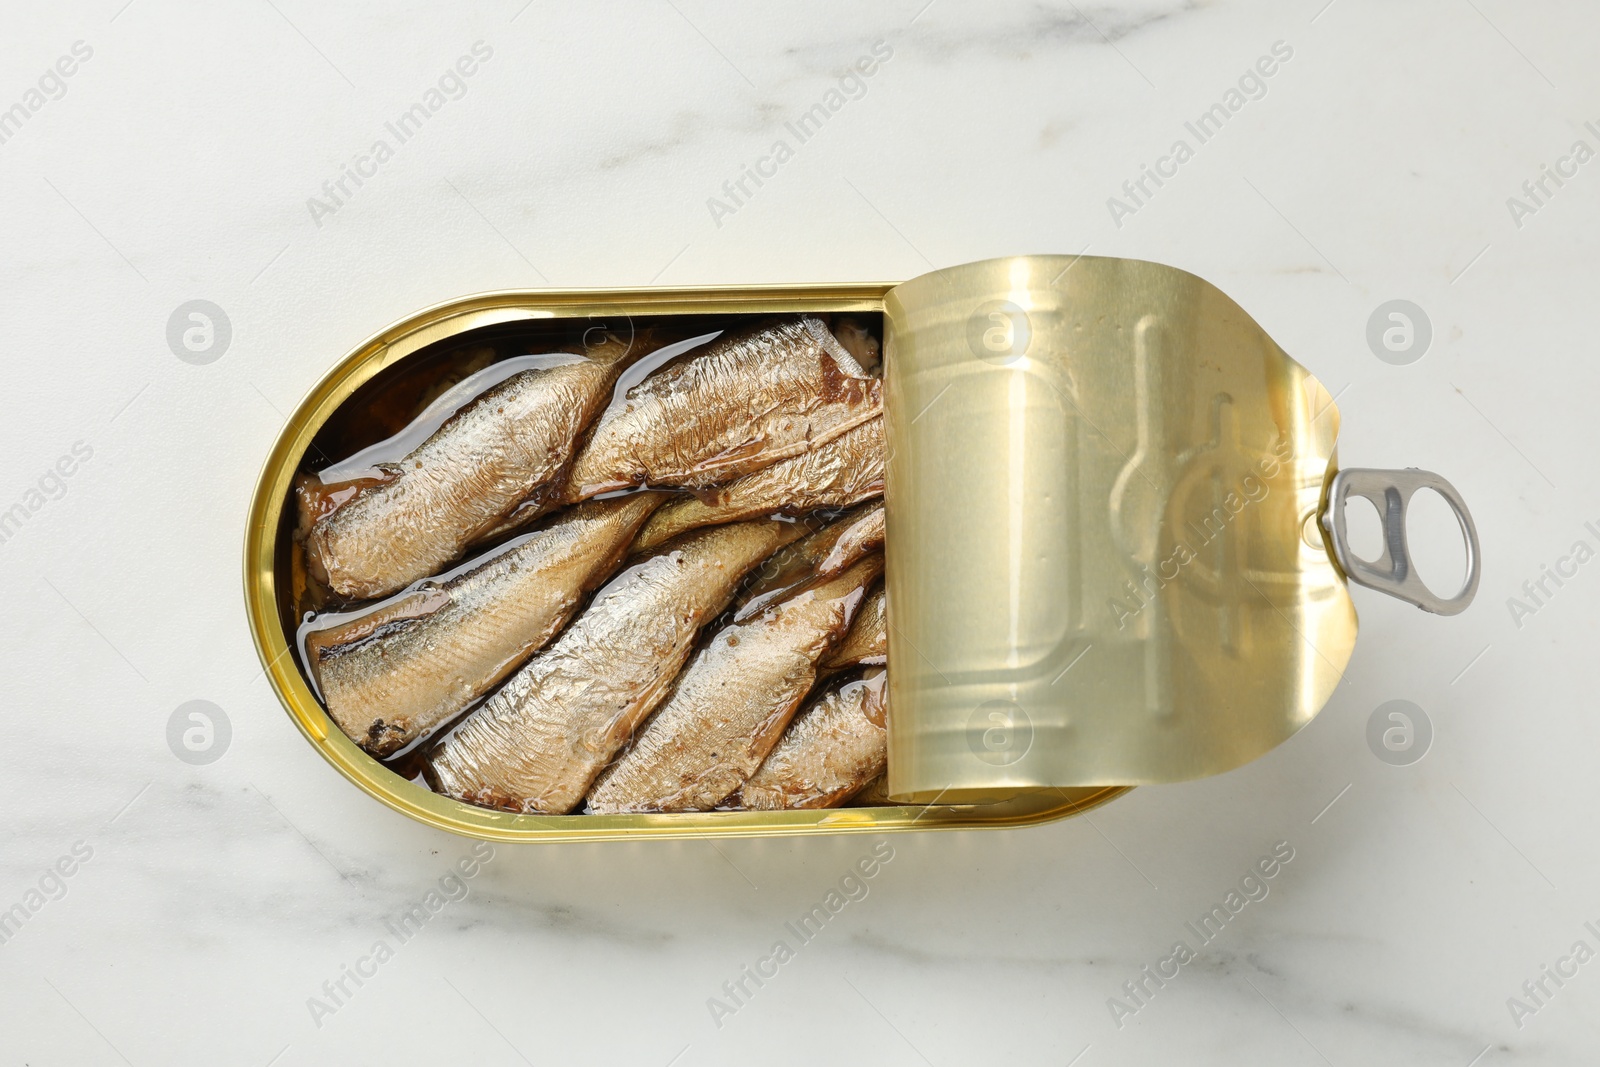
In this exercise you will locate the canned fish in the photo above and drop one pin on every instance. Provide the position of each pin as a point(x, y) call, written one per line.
point(530, 554)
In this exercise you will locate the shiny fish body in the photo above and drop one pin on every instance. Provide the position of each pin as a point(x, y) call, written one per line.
point(396, 672)
point(822, 554)
point(733, 701)
point(494, 453)
point(538, 743)
point(843, 472)
point(867, 643)
point(742, 403)
point(831, 751)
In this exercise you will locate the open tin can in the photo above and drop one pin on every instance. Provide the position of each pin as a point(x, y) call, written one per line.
point(1117, 551)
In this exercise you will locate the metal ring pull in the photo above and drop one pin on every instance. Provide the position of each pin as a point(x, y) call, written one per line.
point(1390, 491)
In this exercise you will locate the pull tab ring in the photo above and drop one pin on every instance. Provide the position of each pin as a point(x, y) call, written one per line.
point(1390, 491)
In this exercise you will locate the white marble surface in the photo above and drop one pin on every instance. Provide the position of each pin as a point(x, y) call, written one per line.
point(218, 898)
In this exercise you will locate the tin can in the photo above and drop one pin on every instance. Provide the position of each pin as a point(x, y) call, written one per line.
point(1117, 550)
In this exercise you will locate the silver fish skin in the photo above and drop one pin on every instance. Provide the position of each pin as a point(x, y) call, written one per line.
point(867, 643)
point(732, 702)
point(742, 403)
point(843, 472)
point(397, 671)
point(539, 742)
point(505, 446)
point(830, 752)
point(822, 554)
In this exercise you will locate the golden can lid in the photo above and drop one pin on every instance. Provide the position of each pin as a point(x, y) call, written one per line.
point(1117, 549)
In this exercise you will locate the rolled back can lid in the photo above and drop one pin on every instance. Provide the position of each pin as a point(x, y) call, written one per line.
point(1104, 557)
